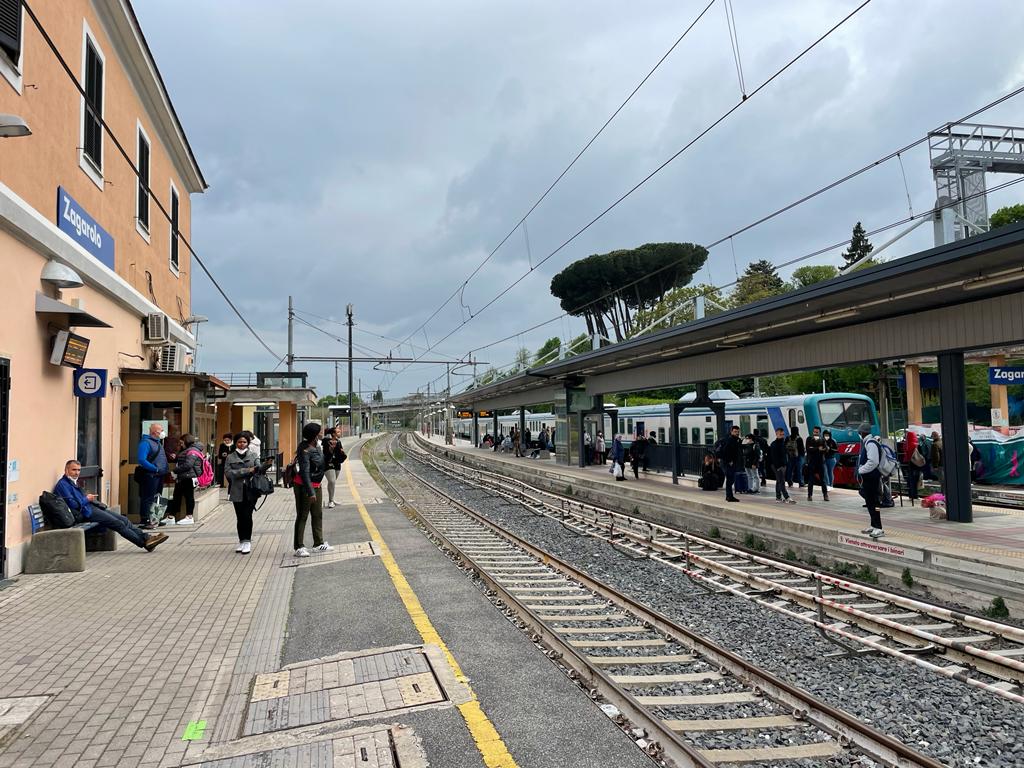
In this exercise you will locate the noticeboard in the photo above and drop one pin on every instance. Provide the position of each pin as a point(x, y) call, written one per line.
point(69, 349)
point(485, 414)
point(464, 414)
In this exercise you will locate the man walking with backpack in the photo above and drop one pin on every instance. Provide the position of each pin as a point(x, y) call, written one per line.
point(874, 464)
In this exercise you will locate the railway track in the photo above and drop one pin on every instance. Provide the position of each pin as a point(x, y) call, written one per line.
point(855, 617)
point(698, 703)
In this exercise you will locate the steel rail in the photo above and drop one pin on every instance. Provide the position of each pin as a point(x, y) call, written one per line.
point(842, 725)
point(989, 662)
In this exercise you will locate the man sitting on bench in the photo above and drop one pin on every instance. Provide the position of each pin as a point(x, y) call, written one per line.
point(82, 503)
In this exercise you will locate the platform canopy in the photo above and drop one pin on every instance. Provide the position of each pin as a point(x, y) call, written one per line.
point(956, 297)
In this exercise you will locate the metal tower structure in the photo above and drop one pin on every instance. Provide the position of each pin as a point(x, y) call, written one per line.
point(961, 154)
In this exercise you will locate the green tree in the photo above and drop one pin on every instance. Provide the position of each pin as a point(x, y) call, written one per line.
point(607, 288)
point(860, 246)
point(545, 354)
point(522, 361)
point(759, 281)
point(340, 399)
point(378, 396)
point(809, 275)
point(681, 300)
point(1010, 214)
point(578, 346)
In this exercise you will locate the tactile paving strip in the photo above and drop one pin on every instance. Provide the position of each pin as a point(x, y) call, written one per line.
point(336, 690)
point(340, 552)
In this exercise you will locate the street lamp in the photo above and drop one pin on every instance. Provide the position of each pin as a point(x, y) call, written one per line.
point(195, 320)
point(13, 126)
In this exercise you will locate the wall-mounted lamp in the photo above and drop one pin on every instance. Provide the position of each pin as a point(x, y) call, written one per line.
point(59, 275)
point(12, 126)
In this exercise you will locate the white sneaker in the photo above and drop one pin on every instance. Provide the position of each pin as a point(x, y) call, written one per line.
point(186, 521)
point(876, 533)
point(868, 530)
point(332, 505)
point(166, 521)
point(239, 547)
point(325, 547)
point(791, 501)
point(246, 547)
point(302, 552)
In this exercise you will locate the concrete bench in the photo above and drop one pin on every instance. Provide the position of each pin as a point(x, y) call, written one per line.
point(62, 550)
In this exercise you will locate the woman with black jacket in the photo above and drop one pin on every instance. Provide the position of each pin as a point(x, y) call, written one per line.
point(308, 497)
point(334, 455)
point(188, 466)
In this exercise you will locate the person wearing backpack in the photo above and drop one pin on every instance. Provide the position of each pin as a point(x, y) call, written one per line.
point(752, 459)
point(779, 460)
point(310, 469)
point(870, 475)
point(189, 465)
point(914, 466)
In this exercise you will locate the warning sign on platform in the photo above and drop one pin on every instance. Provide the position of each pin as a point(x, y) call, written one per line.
point(876, 547)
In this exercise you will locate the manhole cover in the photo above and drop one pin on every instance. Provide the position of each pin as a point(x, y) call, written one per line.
point(336, 690)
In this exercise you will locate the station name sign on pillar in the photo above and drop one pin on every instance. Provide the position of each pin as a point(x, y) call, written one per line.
point(1006, 375)
point(73, 219)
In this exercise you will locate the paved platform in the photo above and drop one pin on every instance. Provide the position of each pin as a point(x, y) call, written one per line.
point(381, 653)
point(985, 556)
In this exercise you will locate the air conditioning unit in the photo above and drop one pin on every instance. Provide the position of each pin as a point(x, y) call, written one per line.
point(173, 358)
point(158, 328)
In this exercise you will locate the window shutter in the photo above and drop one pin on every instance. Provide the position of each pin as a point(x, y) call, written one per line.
point(10, 28)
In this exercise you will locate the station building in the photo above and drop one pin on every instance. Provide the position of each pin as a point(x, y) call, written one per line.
point(95, 273)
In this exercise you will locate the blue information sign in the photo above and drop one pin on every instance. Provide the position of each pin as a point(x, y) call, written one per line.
point(83, 228)
point(1006, 375)
point(90, 382)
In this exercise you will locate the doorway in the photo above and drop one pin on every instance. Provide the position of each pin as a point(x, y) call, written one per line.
point(5, 414)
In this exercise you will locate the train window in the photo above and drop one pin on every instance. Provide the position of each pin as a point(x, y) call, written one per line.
point(763, 426)
point(744, 425)
point(696, 435)
point(682, 435)
point(661, 435)
point(707, 419)
point(709, 436)
point(792, 417)
point(800, 416)
point(622, 426)
point(844, 414)
point(629, 426)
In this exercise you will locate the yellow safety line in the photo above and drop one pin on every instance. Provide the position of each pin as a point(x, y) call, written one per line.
point(488, 741)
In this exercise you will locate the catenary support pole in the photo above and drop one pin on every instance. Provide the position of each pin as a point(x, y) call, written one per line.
point(955, 447)
point(673, 426)
point(291, 323)
point(348, 312)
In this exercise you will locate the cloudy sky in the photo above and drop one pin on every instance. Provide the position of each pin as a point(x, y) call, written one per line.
point(375, 153)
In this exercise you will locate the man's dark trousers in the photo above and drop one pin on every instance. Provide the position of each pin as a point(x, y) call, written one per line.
point(149, 488)
point(119, 524)
point(871, 485)
point(730, 478)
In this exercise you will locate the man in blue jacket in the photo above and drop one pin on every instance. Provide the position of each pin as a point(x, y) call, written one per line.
point(152, 468)
point(82, 503)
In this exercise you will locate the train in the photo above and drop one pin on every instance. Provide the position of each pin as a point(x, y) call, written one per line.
point(842, 413)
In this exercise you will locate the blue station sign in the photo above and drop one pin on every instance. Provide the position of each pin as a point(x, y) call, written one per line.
point(90, 382)
point(83, 228)
point(1006, 374)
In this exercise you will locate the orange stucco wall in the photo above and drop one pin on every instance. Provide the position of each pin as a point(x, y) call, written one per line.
point(43, 416)
point(34, 166)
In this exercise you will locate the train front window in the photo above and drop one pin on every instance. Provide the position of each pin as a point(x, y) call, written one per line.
point(696, 435)
point(844, 414)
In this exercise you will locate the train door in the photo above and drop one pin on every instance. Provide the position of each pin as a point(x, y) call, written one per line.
point(640, 428)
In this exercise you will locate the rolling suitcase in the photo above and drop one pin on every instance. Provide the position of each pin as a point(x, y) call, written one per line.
point(740, 484)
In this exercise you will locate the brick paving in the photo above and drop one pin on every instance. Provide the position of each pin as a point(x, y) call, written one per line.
point(141, 644)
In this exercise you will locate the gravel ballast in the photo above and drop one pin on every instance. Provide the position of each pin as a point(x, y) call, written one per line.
point(942, 718)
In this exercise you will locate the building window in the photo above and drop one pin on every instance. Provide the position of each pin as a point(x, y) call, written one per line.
point(88, 452)
point(174, 230)
point(91, 158)
point(10, 42)
point(142, 194)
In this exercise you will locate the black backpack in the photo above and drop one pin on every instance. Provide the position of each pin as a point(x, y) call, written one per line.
point(719, 448)
point(56, 512)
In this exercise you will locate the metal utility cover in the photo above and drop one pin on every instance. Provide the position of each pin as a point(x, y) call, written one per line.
point(340, 552)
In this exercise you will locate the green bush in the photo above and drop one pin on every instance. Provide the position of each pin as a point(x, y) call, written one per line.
point(790, 554)
point(907, 578)
point(714, 533)
point(568, 490)
point(998, 609)
point(756, 543)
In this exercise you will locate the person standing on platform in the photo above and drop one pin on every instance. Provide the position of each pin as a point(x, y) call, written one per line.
point(150, 473)
point(871, 480)
point(335, 456)
point(831, 457)
point(226, 446)
point(816, 450)
point(779, 460)
point(936, 457)
point(238, 465)
point(915, 461)
point(599, 449)
point(751, 461)
point(795, 455)
point(731, 456)
point(188, 466)
point(308, 496)
point(763, 467)
point(618, 458)
point(638, 454)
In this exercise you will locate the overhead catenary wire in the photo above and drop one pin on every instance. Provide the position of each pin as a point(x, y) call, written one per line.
point(817, 252)
point(618, 201)
point(144, 184)
point(565, 170)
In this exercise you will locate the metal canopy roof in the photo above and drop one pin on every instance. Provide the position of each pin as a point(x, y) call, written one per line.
point(964, 271)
